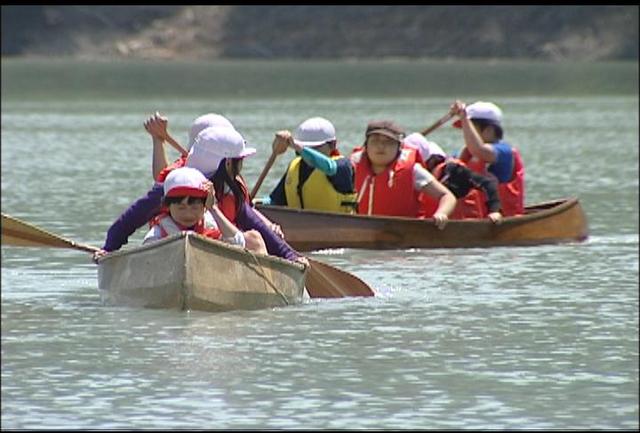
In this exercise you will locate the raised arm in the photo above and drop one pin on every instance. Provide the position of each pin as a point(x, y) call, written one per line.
point(156, 126)
point(472, 139)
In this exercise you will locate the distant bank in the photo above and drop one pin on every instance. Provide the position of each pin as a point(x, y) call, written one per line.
point(554, 33)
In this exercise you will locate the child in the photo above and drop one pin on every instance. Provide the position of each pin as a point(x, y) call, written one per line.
point(225, 148)
point(485, 151)
point(389, 177)
point(466, 185)
point(145, 208)
point(190, 206)
point(319, 178)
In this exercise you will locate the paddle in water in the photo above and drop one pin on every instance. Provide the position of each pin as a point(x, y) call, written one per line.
point(323, 280)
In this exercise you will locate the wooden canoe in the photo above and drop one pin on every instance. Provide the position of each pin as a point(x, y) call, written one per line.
point(190, 272)
point(550, 222)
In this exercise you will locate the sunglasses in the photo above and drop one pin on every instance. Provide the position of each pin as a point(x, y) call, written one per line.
point(177, 200)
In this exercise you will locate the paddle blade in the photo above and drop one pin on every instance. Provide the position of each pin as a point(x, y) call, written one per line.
point(19, 233)
point(326, 281)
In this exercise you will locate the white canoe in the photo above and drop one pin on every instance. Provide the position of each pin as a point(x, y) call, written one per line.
point(190, 272)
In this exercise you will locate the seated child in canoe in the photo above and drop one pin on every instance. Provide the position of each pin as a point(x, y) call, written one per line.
point(389, 176)
point(189, 204)
point(477, 194)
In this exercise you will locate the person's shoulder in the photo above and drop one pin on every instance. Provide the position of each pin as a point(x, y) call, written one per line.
point(503, 145)
point(421, 170)
point(503, 149)
point(344, 162)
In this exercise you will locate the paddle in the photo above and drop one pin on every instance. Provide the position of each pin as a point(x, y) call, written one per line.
point(20, 233)
point(323, 280)
point(164, 134)
point(444, 119)
point(176, 145)
point(326, 281)
point(265, 170)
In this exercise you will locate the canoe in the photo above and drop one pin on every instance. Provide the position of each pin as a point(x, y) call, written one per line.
point(551, 222)
point(190, 272)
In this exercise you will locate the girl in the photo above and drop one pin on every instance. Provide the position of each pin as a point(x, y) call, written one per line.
point(389, 177)
point(190, 205)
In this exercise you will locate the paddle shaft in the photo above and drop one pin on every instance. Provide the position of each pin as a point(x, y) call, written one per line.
point(444, 119)
point(176, 145)
point(265, 170)
point(19, 233)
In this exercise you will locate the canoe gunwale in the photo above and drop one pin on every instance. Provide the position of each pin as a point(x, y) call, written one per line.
point(551, 222)
point(198, 238)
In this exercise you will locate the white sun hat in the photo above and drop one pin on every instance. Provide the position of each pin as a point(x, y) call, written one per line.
point(313, 132)
point(212, 145)
point(185, 181)
point(205, 121)
point(483, 111)
point(426, 148)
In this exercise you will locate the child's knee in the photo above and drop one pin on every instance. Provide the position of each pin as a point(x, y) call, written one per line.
point(255, 242)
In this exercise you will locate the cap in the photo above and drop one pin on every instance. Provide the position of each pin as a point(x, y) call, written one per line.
point(387, 128)
point(205, 121)
point(487, 111)
point(426, 148)
point(315, 131)
point(185, 181)
point(213, 144)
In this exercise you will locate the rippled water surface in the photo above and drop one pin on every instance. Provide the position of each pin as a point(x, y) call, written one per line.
point(521, 338)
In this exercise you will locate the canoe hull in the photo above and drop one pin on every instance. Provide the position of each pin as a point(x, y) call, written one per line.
point(550, 222)
point(190, 272)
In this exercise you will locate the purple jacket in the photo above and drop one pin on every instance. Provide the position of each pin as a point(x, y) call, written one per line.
point(137, 215)
point(145, 208)
point(247, 219)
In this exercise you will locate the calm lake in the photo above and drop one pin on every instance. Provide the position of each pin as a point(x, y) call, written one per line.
point(504, 338)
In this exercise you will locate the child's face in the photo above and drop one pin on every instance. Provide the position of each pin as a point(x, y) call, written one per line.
point(187, 214)
point(381, 150)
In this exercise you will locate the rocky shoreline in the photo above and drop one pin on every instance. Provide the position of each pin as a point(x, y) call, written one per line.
point(552, 33)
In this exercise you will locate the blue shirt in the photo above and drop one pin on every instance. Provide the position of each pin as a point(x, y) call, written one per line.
point(502, 167)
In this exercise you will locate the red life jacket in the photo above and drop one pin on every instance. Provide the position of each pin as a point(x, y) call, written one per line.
point(511, 193)
point(391, 192)
point(473, 205)
point(169, 226)
point(180, 162)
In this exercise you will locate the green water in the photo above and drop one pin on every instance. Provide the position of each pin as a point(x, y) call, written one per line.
point(505, 338)
point(313, 79)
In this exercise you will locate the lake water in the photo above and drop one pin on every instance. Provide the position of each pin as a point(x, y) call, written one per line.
point(505, 338)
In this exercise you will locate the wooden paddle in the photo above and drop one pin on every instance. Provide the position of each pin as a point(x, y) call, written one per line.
point(326, 281)
point(164, 134)
point(444, 119)
point(176, 145)
point(265, 170)
point(323, 280)
point(19, 233)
